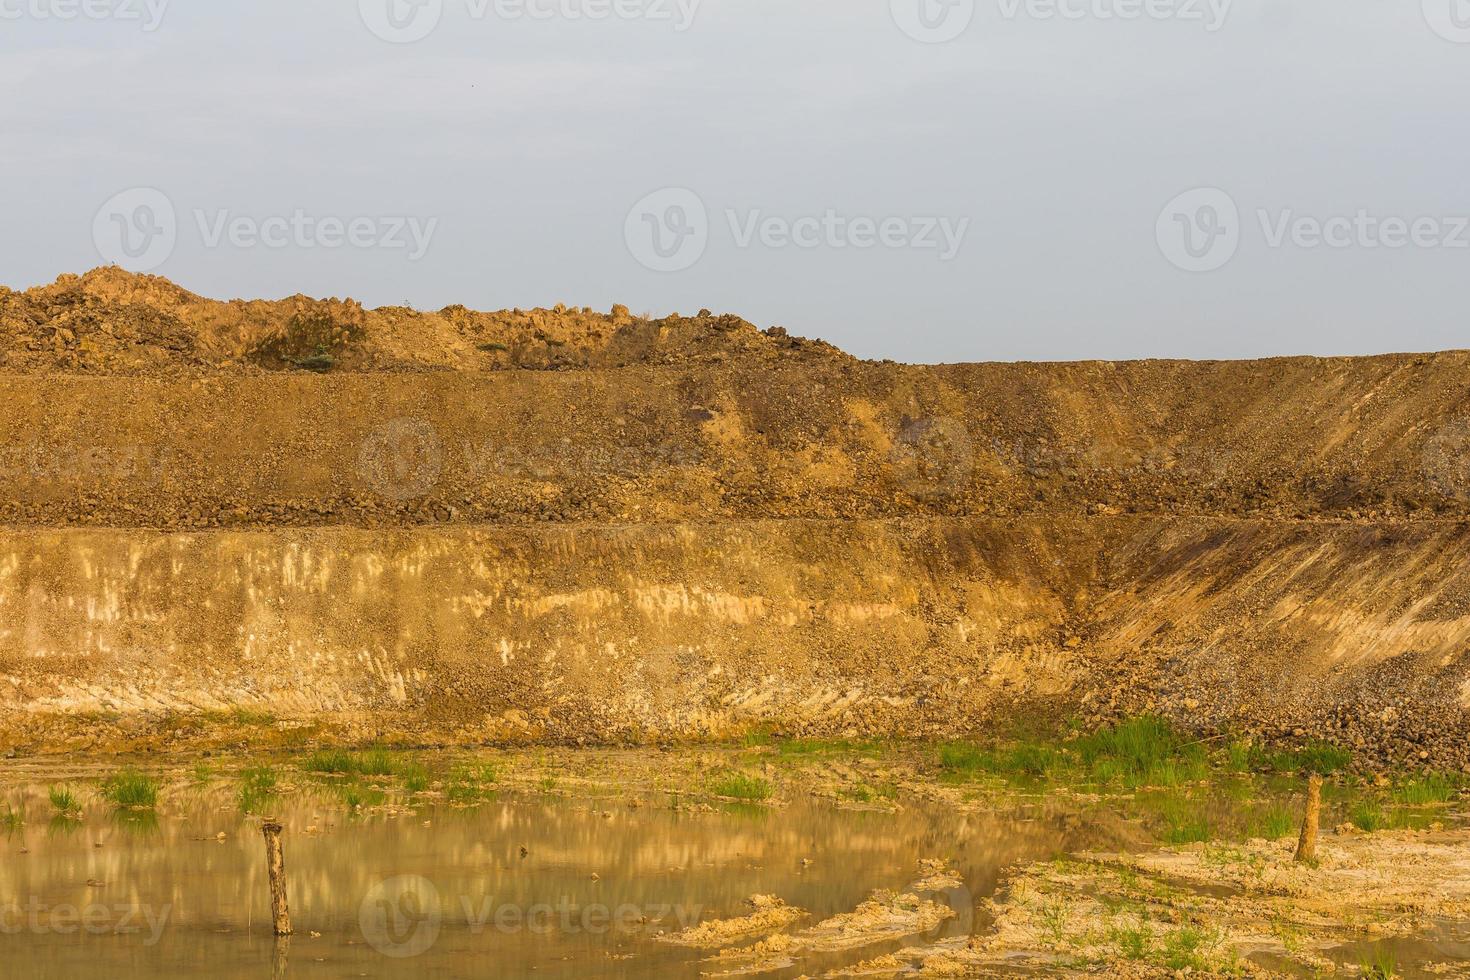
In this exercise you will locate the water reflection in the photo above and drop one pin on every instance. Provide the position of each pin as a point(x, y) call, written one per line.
point(517, 886)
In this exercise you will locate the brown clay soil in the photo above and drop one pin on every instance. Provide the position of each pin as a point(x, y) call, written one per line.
point(571, 526)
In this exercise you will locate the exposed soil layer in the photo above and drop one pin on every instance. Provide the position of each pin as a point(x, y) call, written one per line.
point(569, 526)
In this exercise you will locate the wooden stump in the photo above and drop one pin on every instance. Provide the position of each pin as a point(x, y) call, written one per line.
point(1306, 845)
point(276, 864)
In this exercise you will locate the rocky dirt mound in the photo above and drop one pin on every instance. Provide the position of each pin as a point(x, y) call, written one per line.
point(114, 322)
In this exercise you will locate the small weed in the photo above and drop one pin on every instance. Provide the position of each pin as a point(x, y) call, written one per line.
point(131, 789)
point(741, 786)
point(375, 762)
point(756, 738)
point(1053, 919)
point(965, 758)
point(64, 801)
point(1238, 756)
point(1133, 944)
point(1274, 824)
point(415, 778)
point(201, 773)
point(1188, 830)
point(257, 786)
point(1368, 816)
point(11, 819)
point(1185, 948)
point(1379, 964)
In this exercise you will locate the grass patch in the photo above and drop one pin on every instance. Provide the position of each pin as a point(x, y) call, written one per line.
point(1133, 944)
point(741, 786)
point(1368, 816)
point(64, 801)
point(340, 762)
point(257, 786)
point(376, 762)
point(1427, 790)
point(131, 789)
point(1273, 824)
point(1144, 751)
point(415, 777)
point(329, 761)
point(1186, 949)
point(1319, 757)
point(11, 819)
point(1379, 963)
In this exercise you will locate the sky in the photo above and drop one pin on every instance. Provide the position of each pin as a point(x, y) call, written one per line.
point(921, 180)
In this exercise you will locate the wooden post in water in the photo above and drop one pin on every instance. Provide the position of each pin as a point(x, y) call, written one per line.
point(276, 864)
point(1306, 845)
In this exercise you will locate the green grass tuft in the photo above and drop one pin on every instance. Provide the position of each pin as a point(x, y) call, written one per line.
point(131, 789)
point(330, 761)
point(11, 819)
point(64, 801)
point(1274, 823)
point(741, 786)
point(1431, 788)
point(1368, 816)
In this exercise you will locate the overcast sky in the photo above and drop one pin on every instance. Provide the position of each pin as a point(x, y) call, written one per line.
point(924, 180)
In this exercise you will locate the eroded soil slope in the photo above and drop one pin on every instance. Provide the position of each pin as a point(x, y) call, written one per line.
point(563, 525)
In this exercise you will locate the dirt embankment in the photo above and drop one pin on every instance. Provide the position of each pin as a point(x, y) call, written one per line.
point(561, 525)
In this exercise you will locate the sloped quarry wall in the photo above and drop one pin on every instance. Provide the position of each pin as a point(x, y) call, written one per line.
point(688, 552)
